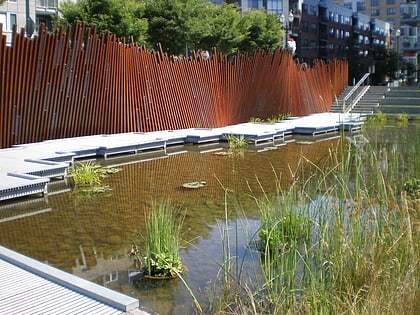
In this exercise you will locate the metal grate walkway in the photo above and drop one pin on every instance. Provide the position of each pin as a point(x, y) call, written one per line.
point(28, 287)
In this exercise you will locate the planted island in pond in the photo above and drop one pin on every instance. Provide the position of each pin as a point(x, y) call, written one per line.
point(162, 242)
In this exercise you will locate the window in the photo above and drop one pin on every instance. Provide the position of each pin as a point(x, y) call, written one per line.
point(8, 20)
point(304, 26)
point(313, 28)
point(390, 11)
point(274, 6)
point(313, 10)
point(374, 3)
point(390, 1)
point(361, 6)
point(253, 4)
point(375, 12)
point(347, 20)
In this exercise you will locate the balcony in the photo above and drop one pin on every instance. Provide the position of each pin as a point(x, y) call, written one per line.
point(409, 43)
point(46, 7)
point(410, 18)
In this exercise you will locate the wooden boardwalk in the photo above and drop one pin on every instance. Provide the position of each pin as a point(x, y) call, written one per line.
point(27, 169)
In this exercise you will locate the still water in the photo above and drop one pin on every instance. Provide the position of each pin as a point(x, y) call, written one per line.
point(91, 236)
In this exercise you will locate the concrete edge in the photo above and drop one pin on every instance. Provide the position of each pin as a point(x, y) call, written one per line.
point(107, 296)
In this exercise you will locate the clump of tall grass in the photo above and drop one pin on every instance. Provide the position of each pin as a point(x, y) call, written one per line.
point(351, 245)
point(272, 119)
point(402, 119)
point(236, 142)
point(378, 118)
point(282, 225)
point(87, 173)
point(162, 241)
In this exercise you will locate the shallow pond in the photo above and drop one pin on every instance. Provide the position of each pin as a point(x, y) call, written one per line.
point(90, 236)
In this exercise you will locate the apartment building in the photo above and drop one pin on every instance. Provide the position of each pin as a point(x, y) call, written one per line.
point(26, 14)
point(405, 30)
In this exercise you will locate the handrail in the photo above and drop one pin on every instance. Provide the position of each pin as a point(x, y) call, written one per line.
point(358, 84)
point(354, 89)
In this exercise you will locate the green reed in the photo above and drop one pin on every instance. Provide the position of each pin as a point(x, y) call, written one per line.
point(344, 238)
point(87, 173)
point(236, 142)
point(162, 241)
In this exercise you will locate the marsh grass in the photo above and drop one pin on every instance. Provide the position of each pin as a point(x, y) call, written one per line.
point(344, 239)
point(162, 241)
point(88, 177)
point(236, 142)
point(402, 119)
point(87, 173)
point(272, 119)
point(378, 119)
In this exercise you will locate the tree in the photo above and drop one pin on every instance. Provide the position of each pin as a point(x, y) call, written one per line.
point(177, 25)
point(182, 25)
point(222, 30)
point(166, 25)
point(122, 18)
point(385, 62)
point(260, 31)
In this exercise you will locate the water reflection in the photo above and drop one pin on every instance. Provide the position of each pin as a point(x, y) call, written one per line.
point(90, 236)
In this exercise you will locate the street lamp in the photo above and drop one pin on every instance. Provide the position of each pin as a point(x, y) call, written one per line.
point(397, 35)
point(287, 25)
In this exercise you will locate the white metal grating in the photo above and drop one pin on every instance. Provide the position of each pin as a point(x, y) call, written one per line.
point(22, 292)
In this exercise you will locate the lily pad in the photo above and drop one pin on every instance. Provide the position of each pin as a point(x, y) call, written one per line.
point(270, 148)
point(194, 184)
point(223, 153)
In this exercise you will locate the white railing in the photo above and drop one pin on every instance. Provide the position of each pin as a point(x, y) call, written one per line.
point(351, 100)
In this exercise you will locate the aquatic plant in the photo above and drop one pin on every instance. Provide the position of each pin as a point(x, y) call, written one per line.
point(276, 118)
point(88, 177)
point(281, 224)
point(162, 241)
point(412, 186)
point(272, 119)
point(378, 118)
point(351, 245)
point(402, 119)
point(236, 142)
point(256, 120)
point(86, 173)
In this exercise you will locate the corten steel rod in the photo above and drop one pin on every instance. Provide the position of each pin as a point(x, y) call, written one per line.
point(77, 82)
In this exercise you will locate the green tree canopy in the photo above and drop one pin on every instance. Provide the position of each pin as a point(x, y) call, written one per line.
point(260, 31)
point(223, 30)
point(193, 25)
point(167, 25)
point(178, 25)
point(122, 18)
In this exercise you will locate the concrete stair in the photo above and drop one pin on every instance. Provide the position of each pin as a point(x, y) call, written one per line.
point(337, 106)
point(371, 100)
point(401, 100)
point(366, 102)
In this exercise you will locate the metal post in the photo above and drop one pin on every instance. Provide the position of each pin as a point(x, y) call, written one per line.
point(397, 34)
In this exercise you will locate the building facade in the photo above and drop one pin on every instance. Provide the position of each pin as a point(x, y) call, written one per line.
point(26, 14)
point(405, 30)
point(326, 30)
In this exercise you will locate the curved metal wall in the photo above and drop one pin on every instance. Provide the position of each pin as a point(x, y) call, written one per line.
point(77, 82)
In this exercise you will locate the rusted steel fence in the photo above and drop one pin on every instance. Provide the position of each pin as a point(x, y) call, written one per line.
point(77, 82)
